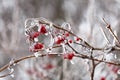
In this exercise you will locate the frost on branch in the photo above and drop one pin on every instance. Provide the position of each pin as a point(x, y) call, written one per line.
point(36, 32)
point(63, 37)
point(59, 43)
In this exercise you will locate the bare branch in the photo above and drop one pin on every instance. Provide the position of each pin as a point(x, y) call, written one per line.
point(108, 26)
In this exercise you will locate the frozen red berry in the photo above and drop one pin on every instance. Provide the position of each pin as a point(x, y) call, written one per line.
point(59, 40)
point(48, 66)
point(70, 41)
point(67, 34)
point(43, 29)
point(102, 78)
point(68, 56)
point(38, 46)
point(34, 35)
point(77, 39)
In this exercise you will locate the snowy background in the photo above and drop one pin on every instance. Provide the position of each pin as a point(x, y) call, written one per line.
point(85, 16)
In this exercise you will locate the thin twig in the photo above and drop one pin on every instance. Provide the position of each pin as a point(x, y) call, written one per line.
point(93, 66)
point(6, 74)
point(100, 49)
point(76, 55)
point(108, 26)
point(58, 27)
point(104, 34)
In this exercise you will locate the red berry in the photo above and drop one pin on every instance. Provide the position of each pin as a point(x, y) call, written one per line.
point(70, 41)
point(67, 34)
point(77, 38)
point(35, 35)
point(59, 40)
point(48, 66)
point(38, 46)
point(102, 78)
point(68, 56)
point(43, 29)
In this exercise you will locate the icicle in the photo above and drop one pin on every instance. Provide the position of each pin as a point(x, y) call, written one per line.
point(12, 61)
point(12, 75)
point(63, 46)
point(36, 22)
point(14, 64)
point(32, 23)
point(114, 42)
point(51, 24)
point(115, 56)
point(66, 26)
point(36, 39)
point(72, 62)
point(11, 64)
point(11, 70)
point(37, 54)
point(51, 41)
point(26, 30)
point(26, 21)
point(49, 50)
point(109, 57)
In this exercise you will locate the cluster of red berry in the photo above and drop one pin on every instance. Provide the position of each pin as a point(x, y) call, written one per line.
point(69, 56)
point(61, 37)
point(35, 34)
